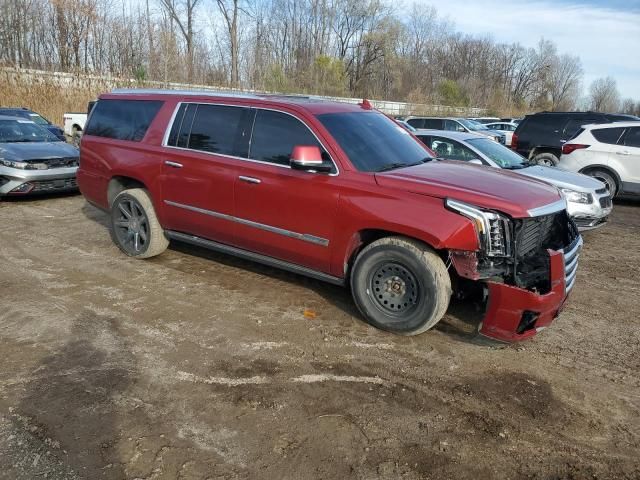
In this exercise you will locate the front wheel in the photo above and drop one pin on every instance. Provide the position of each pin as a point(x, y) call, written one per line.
point(135, 228)
point(606, 178)
point(400, 285)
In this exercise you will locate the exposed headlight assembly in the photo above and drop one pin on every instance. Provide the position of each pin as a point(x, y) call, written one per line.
point(493, 229)
point(11, 164)
point(576, 197)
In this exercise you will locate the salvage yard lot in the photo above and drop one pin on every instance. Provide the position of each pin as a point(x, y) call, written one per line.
point(198, 365)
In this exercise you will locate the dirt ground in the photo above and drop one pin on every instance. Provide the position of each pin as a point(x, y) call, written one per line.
point(196, 365)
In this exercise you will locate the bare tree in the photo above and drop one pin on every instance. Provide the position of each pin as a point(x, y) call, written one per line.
point(563, 82)
point(182, 12)
point(604, 96)
point(230, 11)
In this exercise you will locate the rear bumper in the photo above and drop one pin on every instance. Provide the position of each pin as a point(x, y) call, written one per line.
point(514, 314)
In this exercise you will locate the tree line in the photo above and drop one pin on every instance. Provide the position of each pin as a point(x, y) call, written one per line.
point(359, 48)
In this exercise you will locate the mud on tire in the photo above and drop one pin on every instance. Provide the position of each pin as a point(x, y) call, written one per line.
point(135, 228)
point(400, 285)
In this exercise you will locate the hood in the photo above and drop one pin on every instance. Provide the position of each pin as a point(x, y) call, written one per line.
point(562, 178)
point(489, 188)
point(25, 151)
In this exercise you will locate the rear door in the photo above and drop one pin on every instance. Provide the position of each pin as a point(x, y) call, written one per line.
point(628, 160)
point(199, 169)
point(281, 212)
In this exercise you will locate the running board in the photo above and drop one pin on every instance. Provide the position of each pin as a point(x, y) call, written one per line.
point(256, 257)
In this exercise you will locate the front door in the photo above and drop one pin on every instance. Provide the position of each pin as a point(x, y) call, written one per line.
point(281, 212)
point(199, 169)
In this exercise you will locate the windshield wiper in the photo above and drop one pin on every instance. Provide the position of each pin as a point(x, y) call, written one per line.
point(393, 166)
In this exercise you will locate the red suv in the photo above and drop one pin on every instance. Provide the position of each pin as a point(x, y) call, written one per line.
point(334, 191)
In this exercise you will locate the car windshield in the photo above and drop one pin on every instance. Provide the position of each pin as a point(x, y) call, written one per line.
point(504, 157)
point(39, 119)
point(472, 125)
point(13, 131)
point(373, 142)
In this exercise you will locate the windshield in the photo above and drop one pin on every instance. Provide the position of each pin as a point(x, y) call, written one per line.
point(373, 142)
point(40, 120)
point(504, 157)
point(471, 125)
point(23, 131)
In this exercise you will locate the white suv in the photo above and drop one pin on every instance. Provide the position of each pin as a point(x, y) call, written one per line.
point(609, 152)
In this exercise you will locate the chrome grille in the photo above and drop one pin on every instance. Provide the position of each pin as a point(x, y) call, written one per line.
point(571, 255)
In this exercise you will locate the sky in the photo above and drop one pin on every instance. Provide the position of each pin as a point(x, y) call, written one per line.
point(604, 34)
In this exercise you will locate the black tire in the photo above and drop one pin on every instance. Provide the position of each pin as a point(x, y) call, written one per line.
point(400, 285)
point(135, 228)
point(76, 137)
point(607, 178)
point(546, 159)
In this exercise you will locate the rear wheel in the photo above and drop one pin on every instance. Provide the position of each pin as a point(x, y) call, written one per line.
point(546, 159)
point(135, 228)
point(606, 178)
point(400, 285)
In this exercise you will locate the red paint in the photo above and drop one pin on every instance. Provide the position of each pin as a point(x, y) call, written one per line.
point(343, 208)
point(507, 305)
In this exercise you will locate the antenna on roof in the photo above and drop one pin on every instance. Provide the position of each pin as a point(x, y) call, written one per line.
point(365, 104)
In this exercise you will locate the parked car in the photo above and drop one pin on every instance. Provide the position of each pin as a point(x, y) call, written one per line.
point(610, 153)
point(485, 120)
point(455, 125)
point(23, 112)
point(33, 160)
point(588, 201)
point(511, 120)
point(335, 191)
point(74, 123)
point(505, 128)
point(539, 137)
point(405, 125)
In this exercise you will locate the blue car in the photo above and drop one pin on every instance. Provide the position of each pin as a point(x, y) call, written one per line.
point(34, 117)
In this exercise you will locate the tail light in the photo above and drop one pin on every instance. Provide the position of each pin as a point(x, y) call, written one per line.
point(514, 142)
point(567, 148)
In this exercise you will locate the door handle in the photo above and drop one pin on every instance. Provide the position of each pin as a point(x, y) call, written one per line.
point(624, 152)
point(249, 179)
point(173, 164)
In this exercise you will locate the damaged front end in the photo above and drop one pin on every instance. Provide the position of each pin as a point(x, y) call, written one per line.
point(527, 267)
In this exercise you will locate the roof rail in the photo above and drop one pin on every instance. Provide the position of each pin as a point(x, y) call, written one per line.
point(198, 93)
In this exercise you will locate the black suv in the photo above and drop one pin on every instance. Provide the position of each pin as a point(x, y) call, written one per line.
point(539, 137)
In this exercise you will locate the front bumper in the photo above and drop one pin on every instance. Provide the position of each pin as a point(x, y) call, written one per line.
point(15, 181)
point(514, 314)
point(592, 215)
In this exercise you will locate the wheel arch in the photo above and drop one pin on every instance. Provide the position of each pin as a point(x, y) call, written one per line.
point(360, 239)
point(76, 127)
point(606, 168)
point(119, 183)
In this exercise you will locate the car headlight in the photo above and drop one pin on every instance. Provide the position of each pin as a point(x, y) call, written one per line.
point(576, 197)
point(12, 164)
point(493, 229)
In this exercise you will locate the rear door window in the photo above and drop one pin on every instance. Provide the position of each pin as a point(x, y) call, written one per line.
point(416, 122)
point(453, 126)
point(275, 134)
point(122, 119)
point(220, 129)
point(575, 123)
point(608, 135)
point(632, 137)
point(433, 123)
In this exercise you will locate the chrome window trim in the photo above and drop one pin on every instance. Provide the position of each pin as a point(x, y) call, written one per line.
point(554, 207)
point(306, 237)
point(167, 132)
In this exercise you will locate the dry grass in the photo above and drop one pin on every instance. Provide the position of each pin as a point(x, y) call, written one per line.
point(48, 96)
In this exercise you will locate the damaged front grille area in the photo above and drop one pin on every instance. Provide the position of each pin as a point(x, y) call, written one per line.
point(532, 238)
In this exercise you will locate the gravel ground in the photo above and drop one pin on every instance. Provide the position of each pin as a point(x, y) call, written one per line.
point(196, 365)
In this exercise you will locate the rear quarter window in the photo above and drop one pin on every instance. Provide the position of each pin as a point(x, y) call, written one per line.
point(122, 119)
point(608, 135)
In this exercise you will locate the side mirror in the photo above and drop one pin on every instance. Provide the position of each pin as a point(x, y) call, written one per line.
point(476, 161)
point(309, 159)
